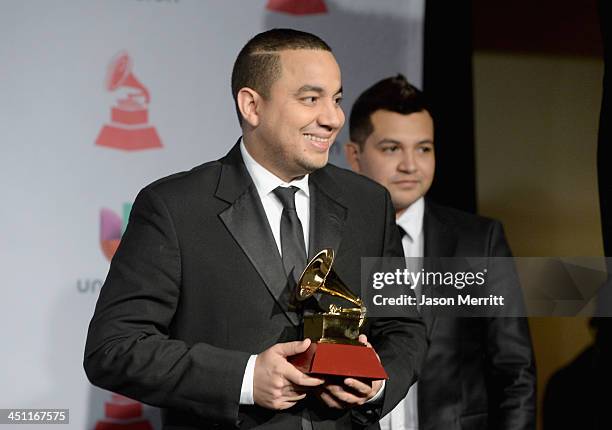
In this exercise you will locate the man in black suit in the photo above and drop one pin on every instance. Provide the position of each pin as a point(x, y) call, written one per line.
point(479, 373)
point(197, 314)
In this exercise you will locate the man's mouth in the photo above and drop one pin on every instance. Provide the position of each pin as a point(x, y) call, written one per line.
point(407, 182)
point(316, 138)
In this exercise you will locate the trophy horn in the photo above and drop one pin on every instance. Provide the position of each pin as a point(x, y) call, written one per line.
point(120, 74)
point(319, 276)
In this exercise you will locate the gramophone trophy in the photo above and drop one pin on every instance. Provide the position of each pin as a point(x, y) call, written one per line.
point(335, 348)
point(129, 128)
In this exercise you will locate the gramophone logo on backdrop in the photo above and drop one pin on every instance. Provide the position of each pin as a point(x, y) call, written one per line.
point(297, 7)
point(122, 413)
point(112, 227)
point(129, 127)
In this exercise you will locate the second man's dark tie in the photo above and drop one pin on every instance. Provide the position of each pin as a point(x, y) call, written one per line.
point(291, 234)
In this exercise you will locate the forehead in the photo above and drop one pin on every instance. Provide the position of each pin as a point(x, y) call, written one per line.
point(309, 67)
point(390, 124)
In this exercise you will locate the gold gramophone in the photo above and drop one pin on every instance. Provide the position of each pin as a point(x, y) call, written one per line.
point(335, 348)
point(339, 324)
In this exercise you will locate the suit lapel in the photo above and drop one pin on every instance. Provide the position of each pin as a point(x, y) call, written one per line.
point(327, 218)
point(327, 213)
point(440, 242)
point(246, 220)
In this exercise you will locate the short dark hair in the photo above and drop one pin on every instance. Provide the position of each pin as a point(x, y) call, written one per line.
point(258, 63)
point(394, 94)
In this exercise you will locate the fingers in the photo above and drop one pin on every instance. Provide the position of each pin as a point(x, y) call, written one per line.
point(344, 397)
point(293, 398)
point(292, 348)
point(277, 394)
point(331, 401)
point(291, 388)
point(298, 378)
point(284, 405)
point(272, 388)
point(358, 386)
point(364, 339)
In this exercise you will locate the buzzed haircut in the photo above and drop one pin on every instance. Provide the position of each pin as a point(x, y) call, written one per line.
point(258, 64)
point(393, 94)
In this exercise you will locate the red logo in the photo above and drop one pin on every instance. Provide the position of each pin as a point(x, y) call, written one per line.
point(297, 7)
point(122, 413)
point(129, 128)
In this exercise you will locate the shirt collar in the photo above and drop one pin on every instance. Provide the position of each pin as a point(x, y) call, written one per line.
point(411, 220)
point(266, 181)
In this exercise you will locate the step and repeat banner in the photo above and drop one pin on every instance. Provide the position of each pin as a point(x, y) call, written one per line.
point(100, 98)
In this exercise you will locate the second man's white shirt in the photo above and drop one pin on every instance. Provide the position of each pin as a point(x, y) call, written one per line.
point(405, 416)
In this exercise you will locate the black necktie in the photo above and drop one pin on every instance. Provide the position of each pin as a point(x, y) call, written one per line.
point(291, 234)
point(294, 257)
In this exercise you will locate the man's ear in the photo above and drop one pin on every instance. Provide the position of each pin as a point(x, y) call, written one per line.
point(352, 151)
point(249, 102)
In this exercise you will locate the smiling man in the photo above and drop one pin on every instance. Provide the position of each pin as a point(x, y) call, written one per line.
point(479, 373)
point(198, 312)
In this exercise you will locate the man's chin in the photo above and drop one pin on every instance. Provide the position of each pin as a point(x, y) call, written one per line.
point(403, 204)
point(314, 164)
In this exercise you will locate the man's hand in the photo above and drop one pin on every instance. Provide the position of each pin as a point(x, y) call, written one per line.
point(277, 384)
point(352, 392)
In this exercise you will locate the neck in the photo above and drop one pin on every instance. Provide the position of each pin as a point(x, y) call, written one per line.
point(254, 150)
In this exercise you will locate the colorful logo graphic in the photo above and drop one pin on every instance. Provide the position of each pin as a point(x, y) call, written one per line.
point(297, 7)
point(129, 128)
point(122, 413)
point(112, 227)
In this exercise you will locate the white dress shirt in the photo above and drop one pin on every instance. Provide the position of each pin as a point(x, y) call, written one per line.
point(265, 183)
point(405, 415)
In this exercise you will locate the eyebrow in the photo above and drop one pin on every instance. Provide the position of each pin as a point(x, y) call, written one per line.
point(397, 142)
point(385, 141)
point(314, 88)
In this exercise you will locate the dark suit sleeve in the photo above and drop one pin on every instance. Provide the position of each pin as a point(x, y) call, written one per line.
point(511, 377)
point(400, 342)
point(129, 349)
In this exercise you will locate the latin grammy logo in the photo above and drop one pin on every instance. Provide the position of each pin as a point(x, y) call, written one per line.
point(129, 128)
point(112, 227)
point(122, 413)
point(297, 7)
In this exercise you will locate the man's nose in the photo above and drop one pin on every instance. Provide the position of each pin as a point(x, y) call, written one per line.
point(331, 115)
point(408, 162)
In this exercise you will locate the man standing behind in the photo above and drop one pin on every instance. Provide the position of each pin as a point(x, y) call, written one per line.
point(197, 313)
point(479, 373)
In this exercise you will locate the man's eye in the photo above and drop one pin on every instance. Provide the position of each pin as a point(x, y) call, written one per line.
point(389, 148)
point(425, 149)
point(309, 100)
point(338, 100)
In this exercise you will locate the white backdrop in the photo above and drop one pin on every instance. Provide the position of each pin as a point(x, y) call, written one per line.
point(55, 181)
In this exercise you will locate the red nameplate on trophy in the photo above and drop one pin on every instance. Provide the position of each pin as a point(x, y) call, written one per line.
point(352, 361)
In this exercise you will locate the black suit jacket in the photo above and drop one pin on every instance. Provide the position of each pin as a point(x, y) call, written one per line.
point(197, 286)
point(479, 373)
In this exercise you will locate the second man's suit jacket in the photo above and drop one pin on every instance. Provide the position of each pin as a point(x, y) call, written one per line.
point(479, 373)
point(197, 285)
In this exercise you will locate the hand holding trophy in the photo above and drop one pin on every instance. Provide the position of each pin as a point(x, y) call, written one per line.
point(335, 348)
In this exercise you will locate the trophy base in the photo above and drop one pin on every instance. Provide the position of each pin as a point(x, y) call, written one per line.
point(353, 361)
point(128, 139)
